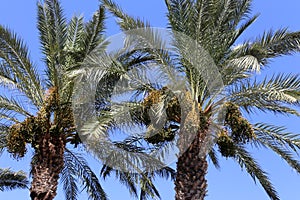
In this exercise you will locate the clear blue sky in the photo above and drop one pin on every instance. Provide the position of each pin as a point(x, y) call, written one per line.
point(229, 182)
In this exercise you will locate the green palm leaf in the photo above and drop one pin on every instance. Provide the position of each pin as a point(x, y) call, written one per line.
point(270, 45)
point(16, 68)
point(10, 180)
point(246, 161)
point(78, 167)
point(93, 31)
point(53, 32)
point(276, 135)
point(274, 94)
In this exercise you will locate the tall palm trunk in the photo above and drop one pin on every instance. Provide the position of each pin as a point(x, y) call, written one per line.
point(49, 162)
point(190, 183)
point(192, 166)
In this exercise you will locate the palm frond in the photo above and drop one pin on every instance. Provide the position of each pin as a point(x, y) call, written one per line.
point(227, 15)
point(246, 161)
point(286, 155)
point(8, 117)
point(126, 22)
point(7, 77)
point(142, 180)
point(149, 42)
point(270, 45)
point(16, 68)
point(213, 24)
point(275, 94)
point(52, 27)
point(276, 135)
point(148, 190)
point(214, 159)
point(75, 32)
point(182, 12)
point(53, 33)
point(125, 178)
point(10, 180)
point(93, 34)
point(11, 104)
point(69, 180)
point(89, 180)
point(3, 137)
point(241, 29)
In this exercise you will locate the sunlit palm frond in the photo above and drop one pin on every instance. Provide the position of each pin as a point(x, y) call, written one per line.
point(182, 12)
point(276, 135)
point(16, 68)
point(74, 42)
point(52, 28)
point(93, 34)
point(213, 24)
point(271, 44)
point(225, 19)
point(278, 94)
point(53, 33)
point(75, 33)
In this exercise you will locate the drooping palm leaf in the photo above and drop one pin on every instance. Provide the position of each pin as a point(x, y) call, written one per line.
point(16, 67)
point(246, 161)
point(276, 135)
point(79, 168)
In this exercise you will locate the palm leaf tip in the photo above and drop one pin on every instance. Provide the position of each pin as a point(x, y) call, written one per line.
point(246, 161)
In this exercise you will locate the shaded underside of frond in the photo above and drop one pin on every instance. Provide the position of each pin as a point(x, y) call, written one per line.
point(10, 180)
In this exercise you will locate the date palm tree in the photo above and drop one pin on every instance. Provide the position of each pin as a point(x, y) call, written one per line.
point(37, 110)
point(215, 26)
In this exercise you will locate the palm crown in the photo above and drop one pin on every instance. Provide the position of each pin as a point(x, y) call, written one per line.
point(215, 26)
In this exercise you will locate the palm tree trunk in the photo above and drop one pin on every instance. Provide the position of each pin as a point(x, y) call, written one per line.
point(192, 166)
point(190, 183)
point(47, 166)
